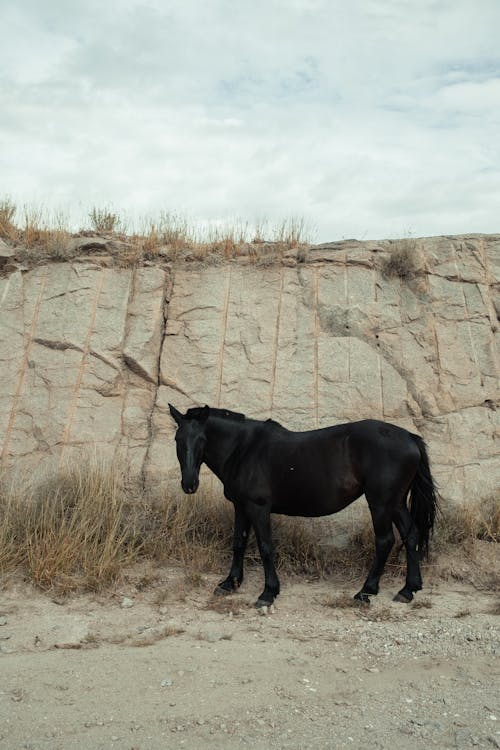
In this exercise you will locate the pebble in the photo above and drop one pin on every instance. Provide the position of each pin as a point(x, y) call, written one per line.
point(126, 602)
point(3, 621)
point(166, 683)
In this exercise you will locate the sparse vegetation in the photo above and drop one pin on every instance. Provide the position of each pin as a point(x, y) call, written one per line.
point(103, 220)
point(7, 213)
point(401, 263)
point(462, 523)
point(70, 531)
point(79, 528)
point(41, 236)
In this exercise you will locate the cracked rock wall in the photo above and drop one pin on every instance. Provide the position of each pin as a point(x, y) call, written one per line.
point(90, 356)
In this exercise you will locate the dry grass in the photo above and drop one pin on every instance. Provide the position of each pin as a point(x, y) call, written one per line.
point(422, 603)
point(494, 609)
point(7, 212)
point(362, 610)
point(400, 263)
point(462, 613)
point(342, 601)
point(41, 236)
point(227, 605)
point(103, 220)
point(68, 532)
point(195, 532)
point(78, 529)
point(460, 524)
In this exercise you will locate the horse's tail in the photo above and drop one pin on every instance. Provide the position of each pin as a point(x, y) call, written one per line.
point(423, 499)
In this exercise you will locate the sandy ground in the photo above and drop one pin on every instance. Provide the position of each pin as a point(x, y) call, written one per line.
point(152, 666)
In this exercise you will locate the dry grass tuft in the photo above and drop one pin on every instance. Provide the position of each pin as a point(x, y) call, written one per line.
point(152, 636)
point(361, 609)
point(194, 531)
point(381, 614)
point(494, 609)
point(422, 604)
point(170, 236)
point(342, 601)
point(400, 263)
point(103, 220)
point(462, 613)
point(226, 605)
point(7, 212)
point(69, 532)
point(78, 529)
point(463, 523)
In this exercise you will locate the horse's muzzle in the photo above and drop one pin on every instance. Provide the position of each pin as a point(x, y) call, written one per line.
point(190, 489)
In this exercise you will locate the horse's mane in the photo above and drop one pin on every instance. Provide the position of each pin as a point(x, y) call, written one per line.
point(196, 412)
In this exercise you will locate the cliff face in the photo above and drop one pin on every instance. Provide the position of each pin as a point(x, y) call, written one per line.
point(91, 354)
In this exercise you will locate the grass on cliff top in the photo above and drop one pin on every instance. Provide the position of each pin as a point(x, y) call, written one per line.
point(41, 235)
point(401, 261)
point(79, 528)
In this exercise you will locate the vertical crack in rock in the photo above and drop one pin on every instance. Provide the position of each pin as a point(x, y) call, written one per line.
point(167, 286)
point(276, 341)
point(24, 363)
point(225, 316)
point(123, 375)
point(83, 362)
point(336, 321)
point(317, 331)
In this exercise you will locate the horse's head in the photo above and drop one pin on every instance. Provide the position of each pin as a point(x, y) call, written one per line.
point(190, 440)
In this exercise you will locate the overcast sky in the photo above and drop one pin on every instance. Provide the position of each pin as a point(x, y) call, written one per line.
point(368, 118)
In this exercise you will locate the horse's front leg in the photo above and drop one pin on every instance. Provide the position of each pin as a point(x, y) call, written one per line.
point(240, 539)
point(260, 517)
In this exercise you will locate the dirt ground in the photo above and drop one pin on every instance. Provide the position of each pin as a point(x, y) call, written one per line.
point(151, 665)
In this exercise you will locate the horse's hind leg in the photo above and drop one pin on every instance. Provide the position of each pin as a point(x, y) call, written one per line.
point(409, 535)
point(240, 539)
point(384, 540)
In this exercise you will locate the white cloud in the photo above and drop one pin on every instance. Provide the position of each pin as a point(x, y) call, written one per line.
point(372, 118)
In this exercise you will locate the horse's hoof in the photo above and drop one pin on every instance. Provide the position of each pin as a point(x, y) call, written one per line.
point(361, 598)
point(219, 591)
point(264, 607)
point(403, 597)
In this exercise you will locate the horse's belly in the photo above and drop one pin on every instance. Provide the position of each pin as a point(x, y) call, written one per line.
point(310, 505)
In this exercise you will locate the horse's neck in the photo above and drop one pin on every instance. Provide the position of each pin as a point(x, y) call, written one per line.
point(222, 438)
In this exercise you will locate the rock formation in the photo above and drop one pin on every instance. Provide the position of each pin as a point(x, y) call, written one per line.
point(91, 353)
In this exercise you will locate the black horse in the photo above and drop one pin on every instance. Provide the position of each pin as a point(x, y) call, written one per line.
point(266, 469)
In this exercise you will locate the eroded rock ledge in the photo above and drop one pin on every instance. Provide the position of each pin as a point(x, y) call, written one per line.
point(91, 353)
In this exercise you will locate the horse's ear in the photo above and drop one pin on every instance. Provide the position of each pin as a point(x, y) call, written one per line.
point(175, 414)
point(204, 414)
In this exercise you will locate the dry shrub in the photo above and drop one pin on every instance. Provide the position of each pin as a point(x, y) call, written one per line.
point(103, 220)
point(494, 609)
point(227, 605)
point(298, 549)
point(195, 531)
point(42, 236)
point(291, 232)
point(422, 603)
point(7, 212)
point(78, 528)
point(461, 524)
point(71, 531)
point(342, 601)
point(400, 263)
